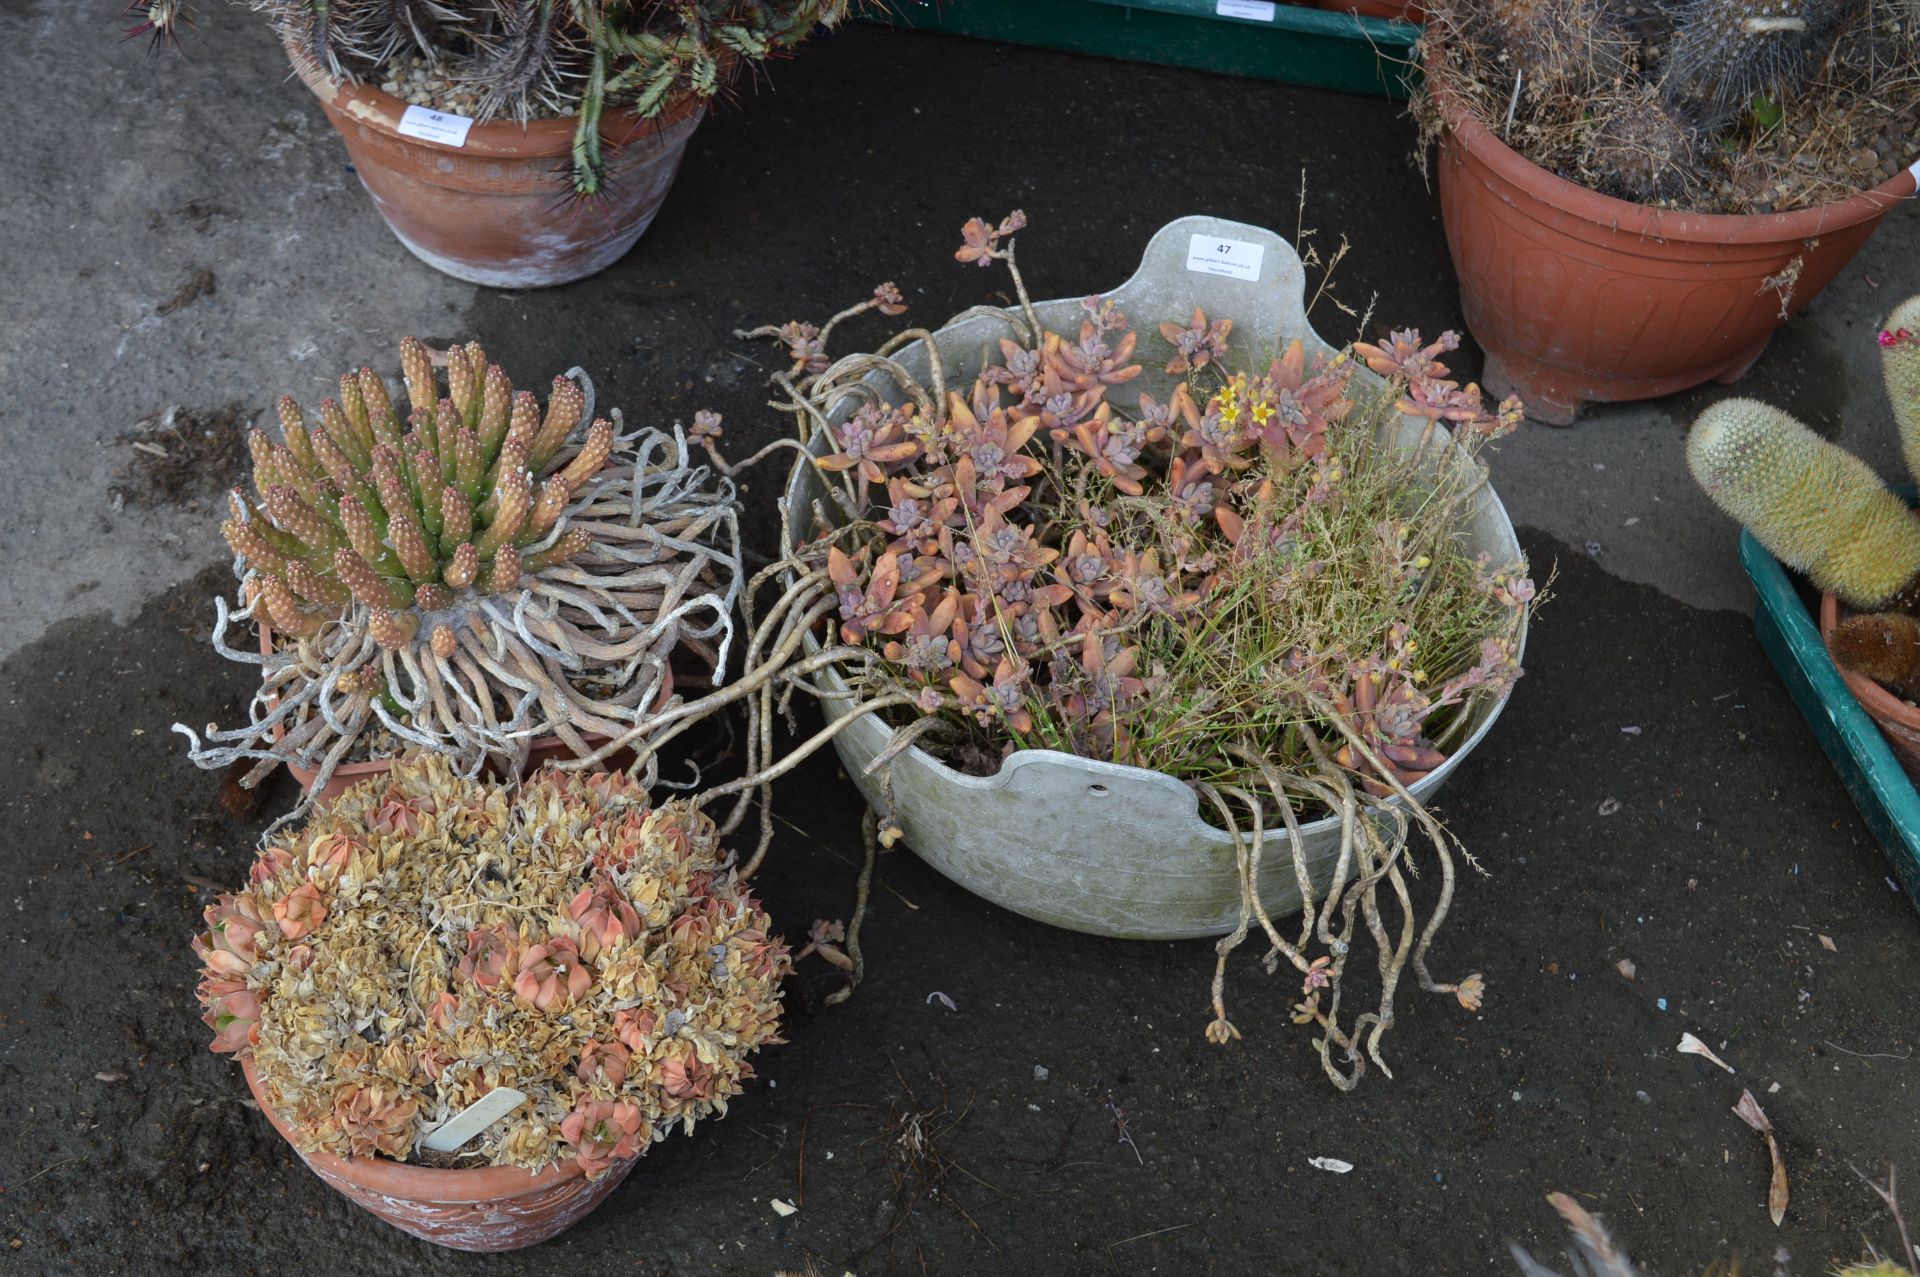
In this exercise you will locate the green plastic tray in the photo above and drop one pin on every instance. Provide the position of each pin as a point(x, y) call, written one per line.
point(1880, 787)
point(1298, 45)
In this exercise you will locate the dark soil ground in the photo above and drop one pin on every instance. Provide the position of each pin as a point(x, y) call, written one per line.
point(1064, 1115)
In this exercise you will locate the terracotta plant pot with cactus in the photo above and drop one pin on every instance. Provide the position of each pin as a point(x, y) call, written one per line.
point(405, 956)
point(491, 210)
point(488, 579)
point(1632, 198)
point(521, 146)
point(1822, 511)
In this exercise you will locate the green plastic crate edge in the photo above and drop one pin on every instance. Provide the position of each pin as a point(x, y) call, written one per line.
point(1298, 45)
point(1874, 778)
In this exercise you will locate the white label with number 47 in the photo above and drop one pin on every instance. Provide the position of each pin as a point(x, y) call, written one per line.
point(1252, 10)
point(1234, 258)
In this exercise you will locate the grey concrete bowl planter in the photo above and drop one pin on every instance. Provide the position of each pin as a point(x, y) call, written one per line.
point(1089, 845)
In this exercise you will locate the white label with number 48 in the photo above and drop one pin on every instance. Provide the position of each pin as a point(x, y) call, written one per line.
point(443, 127)
point(1253, 10)
point(1236, 259)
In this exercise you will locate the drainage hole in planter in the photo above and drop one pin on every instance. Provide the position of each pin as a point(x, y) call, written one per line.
point(1098, 791)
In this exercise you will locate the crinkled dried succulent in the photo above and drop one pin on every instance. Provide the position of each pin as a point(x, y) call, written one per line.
point(562, 937)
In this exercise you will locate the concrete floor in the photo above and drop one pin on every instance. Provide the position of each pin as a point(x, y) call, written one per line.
point(146, 174)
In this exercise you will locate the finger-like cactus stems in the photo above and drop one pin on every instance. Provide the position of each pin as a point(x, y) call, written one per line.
point(1814, 505)
point(573, 542)
point(547, 508)
point(300, 519)
point(592, 455)
point(377, 541)
point(506, 570)
point(285, 609)
point(515, 498)
point(564, 407)
point(393, 630)
point(463, 568)
point(416, 369)
point(434, 597)
point(456, 515)
point(368, 586)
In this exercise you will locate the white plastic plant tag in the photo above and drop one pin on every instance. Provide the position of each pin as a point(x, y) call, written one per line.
point(443, 127)
point(1914, 168)
point(1256, 10)
point(473, 1119)
point(1236, 259)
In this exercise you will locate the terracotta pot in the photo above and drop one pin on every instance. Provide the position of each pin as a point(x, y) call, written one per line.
point(1898, 721)
point(547, 748)
point(499, 210)
point(487, 1208)
point(1579, 297)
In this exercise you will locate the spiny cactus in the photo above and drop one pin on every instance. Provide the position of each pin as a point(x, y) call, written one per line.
point(1725, 52)
point(571, 57)
point(1643, 151)
point(1823, 511)
point(1814, 505)
point(1885, 646)
point(474, 576)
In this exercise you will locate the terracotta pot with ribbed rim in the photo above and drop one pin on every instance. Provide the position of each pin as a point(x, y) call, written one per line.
point(1898, 721)
point(488, 1208)
point(1578, 297)
point(545, 749)
point(499, 209)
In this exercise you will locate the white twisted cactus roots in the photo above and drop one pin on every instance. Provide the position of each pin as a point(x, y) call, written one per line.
point(577, 648)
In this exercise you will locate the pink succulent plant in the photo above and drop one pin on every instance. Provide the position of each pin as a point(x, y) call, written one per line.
point(289, 961)
point(376, 1118)
point(231, 945)
point(683, 1076)
point(489, 955)
point(636, 1028)
point(552, 976)
point(400, 813)
point(233, 1013)
point(300, 911)
point(603, 1132)
point(603, 1062)
point(606, 917)
point(334, 853)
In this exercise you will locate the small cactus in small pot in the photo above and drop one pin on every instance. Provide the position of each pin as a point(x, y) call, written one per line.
point(427, 940)
point(470, 573)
